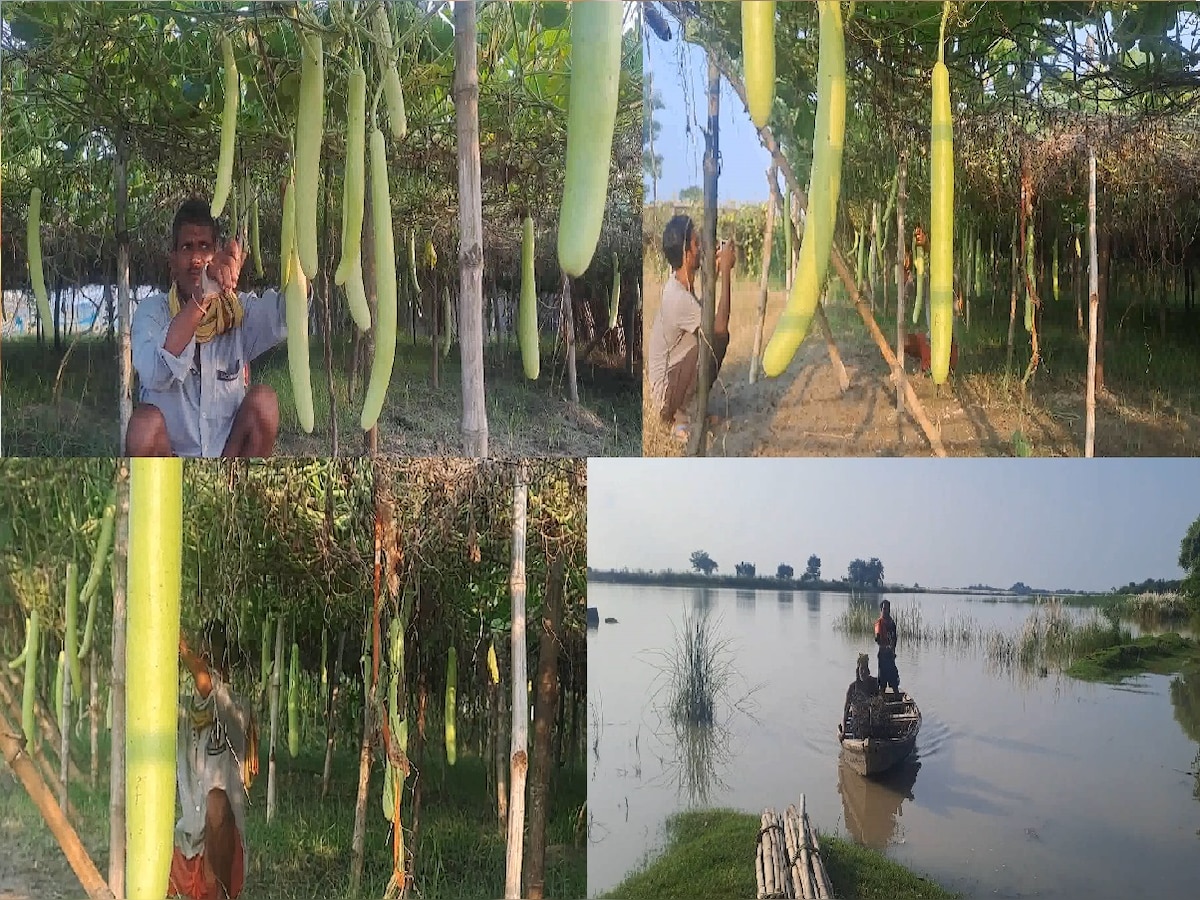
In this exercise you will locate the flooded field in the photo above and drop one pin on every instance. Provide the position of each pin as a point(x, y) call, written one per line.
point(1024, 783)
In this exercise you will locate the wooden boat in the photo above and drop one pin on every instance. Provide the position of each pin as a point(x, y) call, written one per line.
point(891, 741)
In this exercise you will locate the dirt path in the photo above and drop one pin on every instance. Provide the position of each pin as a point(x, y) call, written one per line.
point(804, 413)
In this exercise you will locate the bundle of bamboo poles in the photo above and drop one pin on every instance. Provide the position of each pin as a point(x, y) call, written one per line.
point(808, 870)
point(771, 862)
point(788, 862)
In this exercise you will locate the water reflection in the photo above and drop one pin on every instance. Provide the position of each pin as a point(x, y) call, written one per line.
point(745, 601)
point(813, 599)
point(1185, 697)
point(703, 599)
point(784, 598)
point(872, 806)
point(700, 752)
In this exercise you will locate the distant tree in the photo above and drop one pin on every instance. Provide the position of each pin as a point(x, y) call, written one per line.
point(692, 194)
point(702, 562)
point(784, 572)
point(1021, 588)
point(745, 570)
point(813, 571)
point(865, 573)
point(1189, 561)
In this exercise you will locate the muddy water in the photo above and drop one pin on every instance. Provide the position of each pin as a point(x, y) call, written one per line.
point(1020, 786)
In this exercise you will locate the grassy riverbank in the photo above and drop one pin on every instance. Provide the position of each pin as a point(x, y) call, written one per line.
point(1163, 654)
point(710, 854)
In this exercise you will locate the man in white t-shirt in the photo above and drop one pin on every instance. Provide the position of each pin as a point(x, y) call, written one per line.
point(675, 337)
point(216, 760)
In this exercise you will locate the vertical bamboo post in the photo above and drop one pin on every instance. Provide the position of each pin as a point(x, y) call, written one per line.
point(766, 274)
point(519, 760)
point(1089, 449)
point(698, 439)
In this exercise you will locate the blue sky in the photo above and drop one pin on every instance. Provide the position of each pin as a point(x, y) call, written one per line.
point(1049, 523)
point(680, 73)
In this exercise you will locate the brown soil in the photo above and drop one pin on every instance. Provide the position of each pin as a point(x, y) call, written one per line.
point(804, 413)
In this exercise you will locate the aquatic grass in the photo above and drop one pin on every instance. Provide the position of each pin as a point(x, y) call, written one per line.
point(1151, 608)
point(952, 632)
point(696, 699)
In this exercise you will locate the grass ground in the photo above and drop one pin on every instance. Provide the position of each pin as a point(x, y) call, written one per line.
point(1163, 654)
point(710, 855)
point(1151, 408)
point(304, 854)
point(74, 414)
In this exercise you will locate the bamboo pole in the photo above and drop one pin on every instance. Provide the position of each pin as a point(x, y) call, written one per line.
point(839, 263)
point(766, 274)
point(520, 696)
point(1089, 449)
point(470, 221)
point(93, 719)
point(64, 728)
point(698, 440)
point(77, 856)
point(835, 358)
point(801, 880)
point(277, 668)
point(901, 282)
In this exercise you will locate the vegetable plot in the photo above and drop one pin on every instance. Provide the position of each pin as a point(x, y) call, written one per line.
point(234, 103)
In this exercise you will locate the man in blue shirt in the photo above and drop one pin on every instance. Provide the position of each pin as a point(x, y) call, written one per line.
point(192, 349)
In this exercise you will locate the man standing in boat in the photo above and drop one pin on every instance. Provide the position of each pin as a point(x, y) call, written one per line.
point(885, 637)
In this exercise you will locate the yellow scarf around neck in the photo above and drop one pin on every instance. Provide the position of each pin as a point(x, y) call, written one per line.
point(224, 313)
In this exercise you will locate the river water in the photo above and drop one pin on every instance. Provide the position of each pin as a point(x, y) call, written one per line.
point(1021, 786)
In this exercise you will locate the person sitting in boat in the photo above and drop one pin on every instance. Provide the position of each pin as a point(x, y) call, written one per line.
point(885, 637)
point(861, 690)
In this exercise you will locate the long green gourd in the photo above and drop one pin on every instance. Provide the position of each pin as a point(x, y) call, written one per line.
point(33, 245)
point(71, 629)
point(527, 322)
point(152, 672)
point(310, 116)
point(758, 58)
point(591, 119)
point(825, 182)
point(385, 285)
point(293, 703)
point(614, 298)
point(29, 695)
point(941, 218)
point(228, 129)
point(451, 706)
point(96, 572)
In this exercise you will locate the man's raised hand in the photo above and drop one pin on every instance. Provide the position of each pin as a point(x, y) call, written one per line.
point(226, 267)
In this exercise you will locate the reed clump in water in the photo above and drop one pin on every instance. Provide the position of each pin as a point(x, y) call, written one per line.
point(953, 631)
point(1051, 637)
point(698, 671)
point(1151, 609)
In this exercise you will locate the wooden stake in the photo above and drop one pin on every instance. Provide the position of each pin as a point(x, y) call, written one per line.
point(519, 758)
point(835, 358)
point(766, 274)
point(901, 280)
point(698, 439)
point(470, 223)
point(1089, 447)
